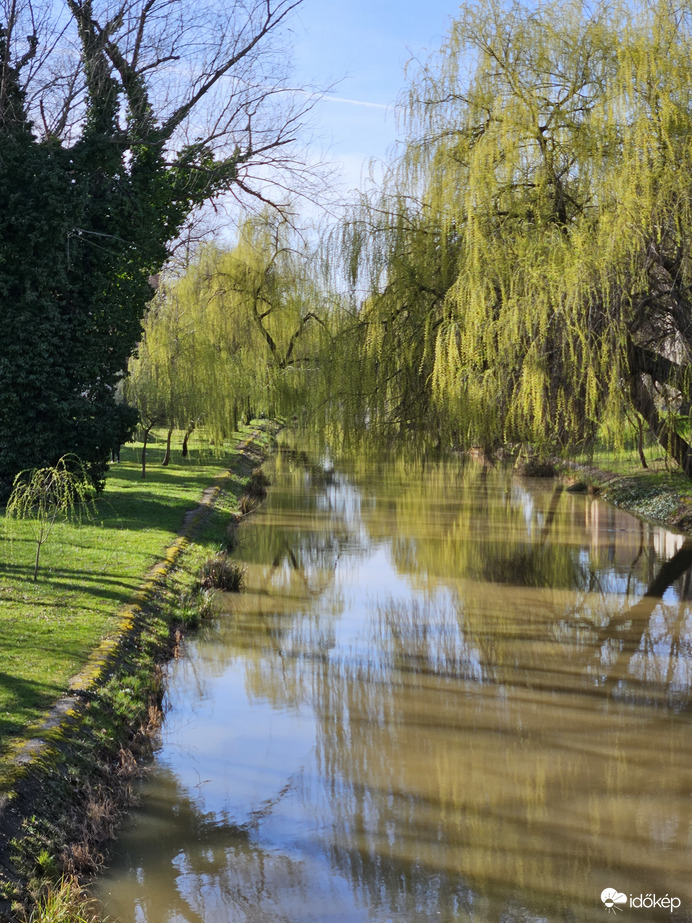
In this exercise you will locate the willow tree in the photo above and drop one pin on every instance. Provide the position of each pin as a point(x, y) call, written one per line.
point(527, 270)
point(267, 284)
point(181, 371)
point(488, 172)
point(162, 380)
point(45, 496)
point(398, 258)
point(145, 389)
point(567, 151)
point(238, 335)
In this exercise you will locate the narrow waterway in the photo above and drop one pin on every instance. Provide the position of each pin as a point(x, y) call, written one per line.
point(446, 694)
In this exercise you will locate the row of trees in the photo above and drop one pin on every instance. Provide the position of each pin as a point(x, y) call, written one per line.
point(523, 272)
point(240, 334)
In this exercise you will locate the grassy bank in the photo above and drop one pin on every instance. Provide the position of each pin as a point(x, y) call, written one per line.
point(659, 493)
point(50, 629)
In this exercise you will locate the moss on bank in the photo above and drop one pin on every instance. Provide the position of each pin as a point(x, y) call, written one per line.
point(68, 786)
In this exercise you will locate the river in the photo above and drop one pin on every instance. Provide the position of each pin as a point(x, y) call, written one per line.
point(446, 694)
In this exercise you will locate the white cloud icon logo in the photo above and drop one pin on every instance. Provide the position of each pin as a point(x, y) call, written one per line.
point(611, 897)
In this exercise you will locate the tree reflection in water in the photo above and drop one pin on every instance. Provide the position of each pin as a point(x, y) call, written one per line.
point(484, 670)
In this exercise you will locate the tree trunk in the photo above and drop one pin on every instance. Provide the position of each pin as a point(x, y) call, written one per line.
point(38, 554)
point(188, 433)
point(144, 450)
point(167, 456)
point(672, 442)
point(640, 442)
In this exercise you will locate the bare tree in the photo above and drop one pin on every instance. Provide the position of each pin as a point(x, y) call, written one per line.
point(187, 77)
point(119, 120)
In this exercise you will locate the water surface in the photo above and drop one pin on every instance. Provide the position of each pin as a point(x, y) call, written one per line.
point(446, 694)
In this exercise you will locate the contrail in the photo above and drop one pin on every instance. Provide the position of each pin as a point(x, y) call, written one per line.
point(353, 102)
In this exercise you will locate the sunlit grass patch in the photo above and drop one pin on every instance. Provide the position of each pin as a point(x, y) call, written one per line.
point(49, 628)
point(64, 902)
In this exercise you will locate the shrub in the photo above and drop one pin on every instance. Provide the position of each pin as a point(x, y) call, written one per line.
point(220, 573)
point(257, 484)
point(193, 609)
point(536, 467)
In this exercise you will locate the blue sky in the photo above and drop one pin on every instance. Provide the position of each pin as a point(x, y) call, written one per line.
point(364, 45)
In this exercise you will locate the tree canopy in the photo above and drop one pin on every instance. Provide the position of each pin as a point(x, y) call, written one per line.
point(240, 334)
point(526, 265)
point(117, 121)
point(522, 274)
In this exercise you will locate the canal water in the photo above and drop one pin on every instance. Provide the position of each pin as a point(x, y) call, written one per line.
point(446, 694)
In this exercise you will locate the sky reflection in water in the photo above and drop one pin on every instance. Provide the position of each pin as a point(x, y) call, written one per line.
point(445, 695)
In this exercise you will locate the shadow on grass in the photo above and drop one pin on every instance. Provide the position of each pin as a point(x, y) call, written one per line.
point(131, 459)
point(194, 475)
point(147, 509)
point(66, 579)
point(129, 502)
point(27, 696)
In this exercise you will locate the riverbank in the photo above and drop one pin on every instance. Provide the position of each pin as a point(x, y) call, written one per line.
point(66, 787)
point(655, 494)
point(92, 625)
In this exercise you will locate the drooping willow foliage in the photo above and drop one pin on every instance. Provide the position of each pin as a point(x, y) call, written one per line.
point(375, 379)
point(524, 270)
point(237, 336)
point(522, 273)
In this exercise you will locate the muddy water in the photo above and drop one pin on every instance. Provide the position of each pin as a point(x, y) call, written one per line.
point(445, 695)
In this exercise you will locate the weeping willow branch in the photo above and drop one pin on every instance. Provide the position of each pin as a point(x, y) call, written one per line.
point(44, 496)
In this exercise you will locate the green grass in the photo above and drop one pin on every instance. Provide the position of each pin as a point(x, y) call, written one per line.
point(625, 461)
point(64, 903)
point(659, 493)
point(48, 629)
